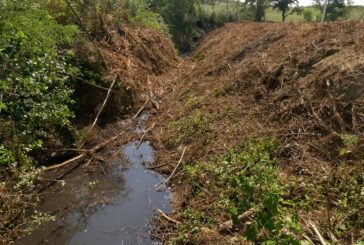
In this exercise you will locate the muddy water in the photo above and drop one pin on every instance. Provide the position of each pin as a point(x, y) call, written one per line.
point(113, 208)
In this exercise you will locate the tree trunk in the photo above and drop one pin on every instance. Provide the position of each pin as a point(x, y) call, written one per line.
point(227, 11)
point(283, 16)
point(324, 11)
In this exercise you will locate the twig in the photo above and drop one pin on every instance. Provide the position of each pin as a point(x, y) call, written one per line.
point(141, 109)
point(145, 133)
point(83, 27)
point(174, 170)
point(104, 103)
point(79, 157)
point(96, 148)
point(333, 238)
point(154, 101)
point(322, 241)
point(168, 218)
point(91, 84)
point(158, 166)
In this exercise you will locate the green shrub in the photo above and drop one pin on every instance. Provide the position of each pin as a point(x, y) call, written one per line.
point(257, 185)
point(34, 80)
point(244, 179)
point(308, 15)
point(138, 12)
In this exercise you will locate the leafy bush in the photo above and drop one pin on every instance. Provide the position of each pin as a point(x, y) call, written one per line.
point(308, 15)
point(246, 179)
point(138, 12)
point(257, 185)
point(192, 126)
point(34, 80)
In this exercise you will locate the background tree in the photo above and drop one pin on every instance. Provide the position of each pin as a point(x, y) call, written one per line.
point(284, 6)
point(336, 9)
point(181, 17)
point(308, 15)
point(258, 8)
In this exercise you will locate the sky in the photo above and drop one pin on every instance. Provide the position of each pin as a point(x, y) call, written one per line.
point(309, 2)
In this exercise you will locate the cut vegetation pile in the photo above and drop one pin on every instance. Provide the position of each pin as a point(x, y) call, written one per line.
point(272, 116)
point(133, 55)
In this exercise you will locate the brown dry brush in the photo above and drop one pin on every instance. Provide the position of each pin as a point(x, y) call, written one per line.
point(299, 83)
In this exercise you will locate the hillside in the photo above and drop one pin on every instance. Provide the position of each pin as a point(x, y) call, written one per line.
point(271, 117)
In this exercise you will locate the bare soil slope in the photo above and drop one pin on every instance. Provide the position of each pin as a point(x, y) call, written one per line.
point(299, 84)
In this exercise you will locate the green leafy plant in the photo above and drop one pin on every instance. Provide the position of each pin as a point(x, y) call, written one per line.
point(34, 80)
point(193, 125)
point(308, 15)
point(256, 185)
point(350, 141)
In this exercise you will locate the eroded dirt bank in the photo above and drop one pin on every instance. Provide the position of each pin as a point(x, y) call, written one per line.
point(272, 117)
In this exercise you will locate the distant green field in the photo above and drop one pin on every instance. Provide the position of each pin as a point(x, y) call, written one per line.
point(355, 13)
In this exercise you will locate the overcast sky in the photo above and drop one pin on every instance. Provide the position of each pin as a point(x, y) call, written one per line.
point(309, 2)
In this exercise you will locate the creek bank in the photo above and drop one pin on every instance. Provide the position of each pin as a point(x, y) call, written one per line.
point(285, 94)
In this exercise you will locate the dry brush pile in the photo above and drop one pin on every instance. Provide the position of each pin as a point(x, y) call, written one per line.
point(299, 84)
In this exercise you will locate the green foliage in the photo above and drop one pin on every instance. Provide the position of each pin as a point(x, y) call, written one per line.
point(192, 102)
point(94, 14)
point(255, 184)
point(247, 178)
point(139, 12)
point(180, 15)
point(194, 220)
point(195, 125)
point(345, 190)
point(34, 80)
point(336, 9)
point(350, 141)
point(308, 15)
point(284, 6)
point(37, 219)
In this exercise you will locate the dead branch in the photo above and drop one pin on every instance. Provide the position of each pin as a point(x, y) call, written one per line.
point(104, 103)
point(154, 101)
point(79, 157)
point(168, 218)
point(83, 27)
point(145, 133)
point(228, 225)
point(158, 166)
point(141, 109)
point(96, 148)
point(174, 170)
point(314, 228)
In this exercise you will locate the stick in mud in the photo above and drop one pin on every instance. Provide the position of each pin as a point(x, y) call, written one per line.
point(145, 133)
point(174, 170)
point(168, 218)
point(318, 234)
point(104, 103)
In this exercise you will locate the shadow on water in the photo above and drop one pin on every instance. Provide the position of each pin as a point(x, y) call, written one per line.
point(114, 208)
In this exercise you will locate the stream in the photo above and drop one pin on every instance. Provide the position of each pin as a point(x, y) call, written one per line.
point(116, 207)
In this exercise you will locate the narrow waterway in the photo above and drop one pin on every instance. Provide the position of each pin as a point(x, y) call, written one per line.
point(116, 207)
